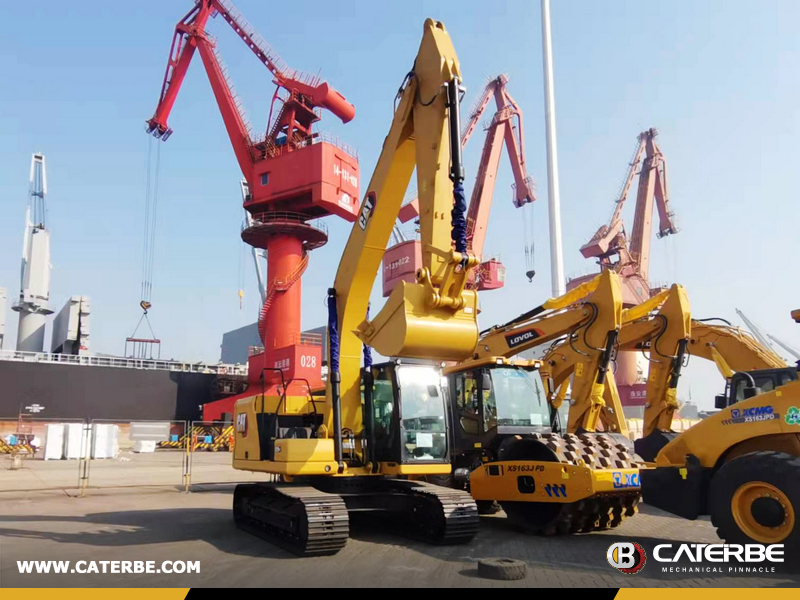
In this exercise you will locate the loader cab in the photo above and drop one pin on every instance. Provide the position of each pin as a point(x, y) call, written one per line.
point(406, 420)
point(745, 385)
point(494, 401)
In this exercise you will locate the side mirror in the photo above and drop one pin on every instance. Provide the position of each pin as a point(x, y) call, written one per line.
point(750, 391)
point(486, 382)
point(721, 402)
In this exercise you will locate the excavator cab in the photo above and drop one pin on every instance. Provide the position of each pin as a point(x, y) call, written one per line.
point(406, 414)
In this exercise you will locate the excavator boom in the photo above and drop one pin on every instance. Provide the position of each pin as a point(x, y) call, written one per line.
point(434, 318)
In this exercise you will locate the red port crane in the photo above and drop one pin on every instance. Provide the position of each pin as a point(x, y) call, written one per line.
point(294, 175)
point(402, 260)
point(611, 246)
point(630, 256)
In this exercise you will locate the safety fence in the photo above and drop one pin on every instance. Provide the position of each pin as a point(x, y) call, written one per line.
point(49, 454)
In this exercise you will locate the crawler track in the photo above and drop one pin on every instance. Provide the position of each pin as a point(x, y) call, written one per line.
point(311, 519)
point(299, 519)
point(438, 515)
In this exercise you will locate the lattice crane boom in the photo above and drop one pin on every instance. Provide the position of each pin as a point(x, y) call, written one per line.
point(307, 91)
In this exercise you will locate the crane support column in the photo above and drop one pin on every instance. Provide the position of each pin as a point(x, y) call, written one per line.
point(33, 305)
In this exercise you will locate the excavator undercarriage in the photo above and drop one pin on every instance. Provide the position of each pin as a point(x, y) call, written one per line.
point(310, 517)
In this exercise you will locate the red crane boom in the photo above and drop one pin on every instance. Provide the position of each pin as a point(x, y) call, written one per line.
point(610, 245)
point(506, 126)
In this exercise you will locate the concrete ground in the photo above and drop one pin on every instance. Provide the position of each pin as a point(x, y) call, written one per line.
point(162, 523)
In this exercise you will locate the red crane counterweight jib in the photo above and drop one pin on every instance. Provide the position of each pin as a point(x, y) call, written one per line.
point(307, 88)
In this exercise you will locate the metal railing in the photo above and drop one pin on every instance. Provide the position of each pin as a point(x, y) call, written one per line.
point(328, 138)
point(123, 363)
point(279, 217)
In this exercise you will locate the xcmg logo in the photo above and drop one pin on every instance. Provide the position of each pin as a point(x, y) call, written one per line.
point(626, 480)
point(751, 415)
point(627, 557)
point(756, 411)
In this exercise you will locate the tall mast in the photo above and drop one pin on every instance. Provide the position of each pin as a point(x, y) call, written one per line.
point(2, 315)
point(553, 193)
point(33, 305)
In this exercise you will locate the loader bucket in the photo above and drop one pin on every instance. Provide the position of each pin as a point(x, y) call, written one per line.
point(407, 326)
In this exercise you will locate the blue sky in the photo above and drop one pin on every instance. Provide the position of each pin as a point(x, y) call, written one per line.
point(717, 78)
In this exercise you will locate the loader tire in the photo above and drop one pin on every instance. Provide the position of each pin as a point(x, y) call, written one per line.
point(488, 507)
point(755, 498)
point(503, 569)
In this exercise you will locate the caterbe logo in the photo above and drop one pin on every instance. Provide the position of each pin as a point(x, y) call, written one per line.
point(517, 339)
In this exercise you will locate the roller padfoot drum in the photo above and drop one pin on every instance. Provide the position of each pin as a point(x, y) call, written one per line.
point(597, 513)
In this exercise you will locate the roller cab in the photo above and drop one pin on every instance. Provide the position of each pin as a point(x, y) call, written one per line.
point(504, 451)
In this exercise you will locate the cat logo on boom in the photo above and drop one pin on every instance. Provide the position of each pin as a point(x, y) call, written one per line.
point(366, 210)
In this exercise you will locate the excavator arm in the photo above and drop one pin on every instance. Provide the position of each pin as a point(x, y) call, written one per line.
point(436, 317)
point(506, 127)
point(731, 349)
point(590, 315)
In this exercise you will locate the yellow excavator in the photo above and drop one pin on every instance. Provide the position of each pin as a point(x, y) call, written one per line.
point(663, 325)
point(351, 453)
point(503, 448)
point(714, 478)
point(740, 466)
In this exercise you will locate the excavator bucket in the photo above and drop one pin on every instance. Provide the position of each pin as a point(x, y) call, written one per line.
point(407, 326)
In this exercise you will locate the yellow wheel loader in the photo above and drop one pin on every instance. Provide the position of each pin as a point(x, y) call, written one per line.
point(741, 466)
point(340, 453)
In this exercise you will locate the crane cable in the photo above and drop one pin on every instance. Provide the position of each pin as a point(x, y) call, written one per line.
point(529, 236)
point(152, 169)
